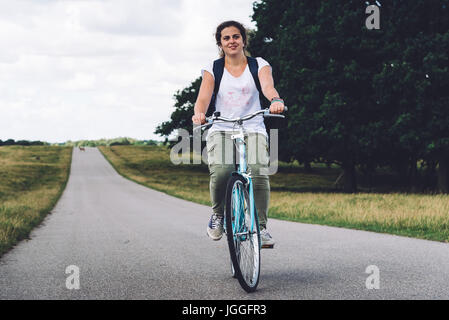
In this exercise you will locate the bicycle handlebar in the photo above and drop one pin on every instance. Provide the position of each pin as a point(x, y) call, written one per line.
point(214, 118)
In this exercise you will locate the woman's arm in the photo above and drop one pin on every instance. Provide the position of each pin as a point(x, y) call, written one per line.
point(203, 99)
point(268, 90)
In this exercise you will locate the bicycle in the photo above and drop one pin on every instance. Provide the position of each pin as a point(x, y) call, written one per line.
point(241, 224)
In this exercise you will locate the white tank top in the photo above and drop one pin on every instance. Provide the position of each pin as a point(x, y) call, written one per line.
point(238, 96)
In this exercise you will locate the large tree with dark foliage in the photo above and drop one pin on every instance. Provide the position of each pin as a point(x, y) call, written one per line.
point(360, 97)
point(181, 118)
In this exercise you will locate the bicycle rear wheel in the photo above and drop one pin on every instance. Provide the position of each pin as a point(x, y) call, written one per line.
point(242, 234)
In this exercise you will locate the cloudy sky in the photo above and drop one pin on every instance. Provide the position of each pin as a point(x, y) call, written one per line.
point(90, 69)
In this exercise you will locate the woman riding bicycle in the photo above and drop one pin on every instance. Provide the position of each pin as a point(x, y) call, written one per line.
point(237, 96)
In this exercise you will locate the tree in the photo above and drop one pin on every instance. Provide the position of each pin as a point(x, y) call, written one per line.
point(414, 84)
point(356, 98)
point(181, 118)
point(323, 54)
point(9, 142)
point(23, 143)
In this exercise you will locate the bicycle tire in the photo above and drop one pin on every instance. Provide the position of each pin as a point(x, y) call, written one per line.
point(243, 249)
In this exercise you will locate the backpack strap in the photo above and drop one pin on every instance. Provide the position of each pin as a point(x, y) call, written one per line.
point(254, 69)
point(218, 69)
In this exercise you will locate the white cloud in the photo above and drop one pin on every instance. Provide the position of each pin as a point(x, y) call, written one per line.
point(81, 81)
point(139, 17)
point(93, 69)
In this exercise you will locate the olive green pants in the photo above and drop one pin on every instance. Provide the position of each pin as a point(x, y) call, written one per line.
point(222, 158)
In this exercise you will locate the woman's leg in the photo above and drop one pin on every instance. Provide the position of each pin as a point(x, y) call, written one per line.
point(258, 159)
point(221, 165)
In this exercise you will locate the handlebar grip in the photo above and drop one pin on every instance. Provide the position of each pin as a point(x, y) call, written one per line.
point(285, 110)
point(272, 115)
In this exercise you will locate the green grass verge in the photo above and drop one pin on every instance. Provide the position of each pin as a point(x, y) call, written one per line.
point(32, 179)
point(296, 195)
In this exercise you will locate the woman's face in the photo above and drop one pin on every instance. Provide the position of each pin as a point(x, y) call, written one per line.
point(231, 41)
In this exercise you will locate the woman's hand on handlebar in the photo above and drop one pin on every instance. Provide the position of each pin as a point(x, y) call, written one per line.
point(199, 118)
point(277, 106)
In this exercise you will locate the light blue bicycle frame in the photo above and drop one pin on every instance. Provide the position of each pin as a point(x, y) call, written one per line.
point(242, 169)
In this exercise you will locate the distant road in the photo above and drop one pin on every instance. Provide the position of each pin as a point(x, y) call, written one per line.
point(131, 242)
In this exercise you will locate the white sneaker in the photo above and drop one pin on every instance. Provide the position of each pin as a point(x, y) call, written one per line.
point(267, 240)
point(215, 227)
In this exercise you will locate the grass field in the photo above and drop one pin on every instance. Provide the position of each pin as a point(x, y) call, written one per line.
point(32, 179)
point(296, 195)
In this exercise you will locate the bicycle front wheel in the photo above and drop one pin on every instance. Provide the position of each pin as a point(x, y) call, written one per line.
point(242, 232)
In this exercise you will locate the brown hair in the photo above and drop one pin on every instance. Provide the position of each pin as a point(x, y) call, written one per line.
point(227, 24)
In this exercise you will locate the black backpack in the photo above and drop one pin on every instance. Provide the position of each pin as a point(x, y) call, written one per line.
point(218, 70)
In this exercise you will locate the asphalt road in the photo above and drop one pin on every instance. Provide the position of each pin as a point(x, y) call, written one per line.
point(131, 242)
